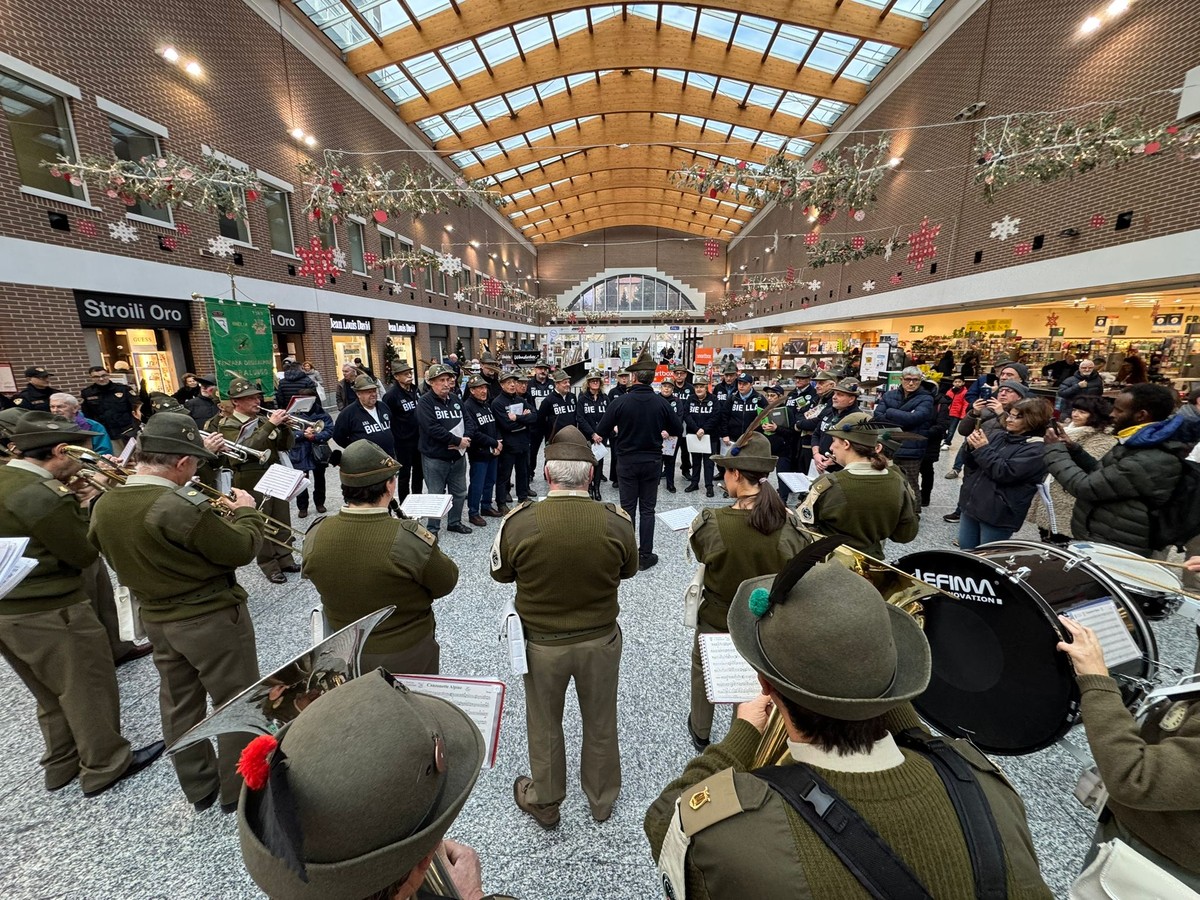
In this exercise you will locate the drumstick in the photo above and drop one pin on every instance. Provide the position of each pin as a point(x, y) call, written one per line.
point(1155, 562)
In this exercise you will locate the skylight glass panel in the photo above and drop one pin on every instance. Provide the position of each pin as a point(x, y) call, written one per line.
point(522, 98)
point(679, 16)
point(499, 46)
point(716, 24)
point(743, 134)
point(428, 72)
point(673, 74)
point(395, 84)
point(504, 176)
point(528, 167)
point(774, 141)
point(735, 90)
point(829, 111)
point(387, 15)
point(869, 61)
point(764, 96)
point(463, 60)
point(913, 9)
point(335, 21)
point(512, 143)
point(492, 108)
point(831, 51)
point(435, 128)
point(538, 134)
point(462, 160)
point(487, 151)
point(792, 43)
point(702, 80)
point(799, 146)
point(423, 9)
point(534, 33)
point(754, 33)
point(797, 105)
point(569, 22)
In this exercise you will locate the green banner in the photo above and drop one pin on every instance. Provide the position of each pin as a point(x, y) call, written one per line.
point(242, 344)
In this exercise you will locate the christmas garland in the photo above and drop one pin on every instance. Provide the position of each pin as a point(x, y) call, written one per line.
point(834, 180)
point(833, 253)
point(164, 181)
point(337, 190)
point(1039, 149)
point(760, 284)
point(415, 259)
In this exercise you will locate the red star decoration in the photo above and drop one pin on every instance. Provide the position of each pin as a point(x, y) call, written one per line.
point(1098, 221)
point(1023, 249)
point(184, 229)
point(318, 262)
point(811, 238)
point(921, 246)
point(711, 249)
point(896, 279)
point(858, 242)
point(1052, 320)
point(87, 228)
point(371, 260)
point(492, 289)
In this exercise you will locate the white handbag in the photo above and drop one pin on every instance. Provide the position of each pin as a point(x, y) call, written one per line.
point(692, 595)
point(129, 615)
point(1121, 873)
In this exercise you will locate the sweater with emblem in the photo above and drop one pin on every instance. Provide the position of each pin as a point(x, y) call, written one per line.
point(863, 504)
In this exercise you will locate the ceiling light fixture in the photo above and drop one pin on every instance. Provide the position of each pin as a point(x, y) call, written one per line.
point(174, 57)
point(475, 244)
point(1117, 7)
point(194, 69)
point(170, 54)
point(298, 133)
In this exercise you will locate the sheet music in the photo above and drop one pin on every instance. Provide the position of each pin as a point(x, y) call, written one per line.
point(281, 482)
point(459, 431)
point(15, 573)
point(1103, 618)
point(517, 409)
point(480, 699)
point(668, 446)
point(797, 481)
point(727, 677)
point(426, 506)
point(702, 445)
point(678, 519)
point(300, 405)
point(599, 451)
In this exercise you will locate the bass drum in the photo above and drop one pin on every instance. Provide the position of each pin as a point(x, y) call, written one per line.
point(998, 677)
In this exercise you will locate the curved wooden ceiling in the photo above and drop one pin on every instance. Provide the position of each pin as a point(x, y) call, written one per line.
point(579, 113)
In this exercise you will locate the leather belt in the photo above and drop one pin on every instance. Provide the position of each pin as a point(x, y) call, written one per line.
point(539, 637)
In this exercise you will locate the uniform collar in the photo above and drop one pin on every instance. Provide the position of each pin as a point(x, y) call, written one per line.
point(157, 480)
point(884, 754)
point(568, 494)
point(26, 466)
point(864, 468)
point(363, 510)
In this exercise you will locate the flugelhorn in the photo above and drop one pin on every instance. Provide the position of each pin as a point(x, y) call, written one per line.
point(276, 532)
point(238, 452)
point(96, 471)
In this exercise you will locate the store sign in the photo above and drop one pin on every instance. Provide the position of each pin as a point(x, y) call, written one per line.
point(349, 323)
point(916, 329)
point(1167, 322)
point(1100, 325)
point(287, 321)
point(120, 310)
point(524, 357)
point(989, 325)
point(401, 327)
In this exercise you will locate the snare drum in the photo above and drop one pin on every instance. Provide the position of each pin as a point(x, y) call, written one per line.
point(998, 677)
point(1156, 589)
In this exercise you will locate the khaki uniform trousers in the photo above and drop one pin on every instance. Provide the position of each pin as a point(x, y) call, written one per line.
point(271, 557)
point(595, 665)
point(63, 657)
point(211, 655)
point(701, 710)
point(98, 586)
point(422, 658)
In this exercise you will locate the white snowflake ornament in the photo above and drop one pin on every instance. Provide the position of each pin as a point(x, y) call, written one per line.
point(449, 265)
point(1005, 228)
point(220, 246)
point(123, 232)
point(868, 286)
point(459, 297)
point(889, 248)
point(814, 285)
point(339, 258)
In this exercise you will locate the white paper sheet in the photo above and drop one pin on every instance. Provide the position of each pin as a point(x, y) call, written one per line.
point(282, 482)
point(301, 405)
point(797, 481)
point(517, 409)
point(727, 677)
point(459, 431)
point(678, 519)
point(481, 700)
point(1103, 618)
point(426, 506)
point(599, 451)
point(668, 446)
point(701, 445)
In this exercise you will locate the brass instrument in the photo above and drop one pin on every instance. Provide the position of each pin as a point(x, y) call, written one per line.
point(239, 452)
point(276, 532)
point(301, 424)
point(96, 472)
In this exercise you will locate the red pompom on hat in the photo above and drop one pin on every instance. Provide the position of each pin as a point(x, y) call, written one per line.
point(254, 765)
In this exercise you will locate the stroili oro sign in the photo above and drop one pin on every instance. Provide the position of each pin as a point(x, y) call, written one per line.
point(100, 310)
point(242, 343)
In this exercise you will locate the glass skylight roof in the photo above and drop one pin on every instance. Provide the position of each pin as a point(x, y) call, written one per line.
point(352, 24)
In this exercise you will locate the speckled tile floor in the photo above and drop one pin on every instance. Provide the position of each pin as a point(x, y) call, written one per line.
point(143, 840)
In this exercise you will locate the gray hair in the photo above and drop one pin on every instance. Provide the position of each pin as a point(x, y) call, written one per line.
point(911, 371)
point(62, 397)
point(571, 474)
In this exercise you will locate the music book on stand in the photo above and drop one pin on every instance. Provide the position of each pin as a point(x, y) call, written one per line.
point(426, 506)
point(727, 677)
point(678, 519)
point(13, 566)
point(282, 482)
point(482, 700)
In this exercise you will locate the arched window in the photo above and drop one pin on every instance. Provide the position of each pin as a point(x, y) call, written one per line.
point(632, 294)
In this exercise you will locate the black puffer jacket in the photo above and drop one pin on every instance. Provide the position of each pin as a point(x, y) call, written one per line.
point(1115, 497)
point(1002, 477)
point(294, 380)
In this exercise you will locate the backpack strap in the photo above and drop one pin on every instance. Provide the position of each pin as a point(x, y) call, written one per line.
point(974, 815)
point(860, 848)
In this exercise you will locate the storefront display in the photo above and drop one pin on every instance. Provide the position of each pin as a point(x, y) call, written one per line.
point(144, 332)
point(401, 336)
point(288, 327)
point(351, 340)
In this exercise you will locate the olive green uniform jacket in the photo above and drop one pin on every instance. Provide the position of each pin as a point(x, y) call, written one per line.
point(864, 505)
point(276, 438)
point(747, 841)
point(361, 560)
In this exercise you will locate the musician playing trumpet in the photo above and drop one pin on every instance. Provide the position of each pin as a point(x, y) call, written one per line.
point(249, 426)
point(178, 555)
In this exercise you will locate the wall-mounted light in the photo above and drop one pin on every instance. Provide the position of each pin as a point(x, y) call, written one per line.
point(475, 244)
point(1090, 24)
point(449, 227)
point(174, 57)
point(299, 134)
point(895, 161)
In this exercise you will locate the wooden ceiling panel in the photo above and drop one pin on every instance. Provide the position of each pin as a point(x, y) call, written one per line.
point(592, 224)
point(665, 159)
point(602, 179)
point(475, 19)
point(638, 206)
point(589, 199)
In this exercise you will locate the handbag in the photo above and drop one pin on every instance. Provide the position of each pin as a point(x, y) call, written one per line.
point(692, 595)
point(1119, 872)
point(321, 454)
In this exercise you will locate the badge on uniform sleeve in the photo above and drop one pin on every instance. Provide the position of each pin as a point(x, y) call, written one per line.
point(1174, 716)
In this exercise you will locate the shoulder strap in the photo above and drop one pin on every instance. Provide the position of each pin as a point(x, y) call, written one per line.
point(974, 815)
point(860, 848)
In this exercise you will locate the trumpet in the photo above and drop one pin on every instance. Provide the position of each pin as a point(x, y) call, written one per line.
point(301, 424)
point(276, 532)
point(239, 452)
point(97, 472)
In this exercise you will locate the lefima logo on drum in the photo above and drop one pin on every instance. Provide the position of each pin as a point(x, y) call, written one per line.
point(980, 589)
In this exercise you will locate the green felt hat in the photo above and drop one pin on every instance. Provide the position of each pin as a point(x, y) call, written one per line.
point(477, 381)
point(207, 380)
point(510, 375)
point(487, 359)
point(401, 365)
point(753, 456)
point(825, 375)
point(240, 387)
point(365, 464)
point(542, 363)
point(699, 379)
point(365, 383)
point(848, 386)
point(175, 433)
point(437, 370)
point(37, 429)
point(730, 368)
point(10, 417)
point(644, 363)
point(804, 372)
point(569, 443)
point(559, 375)
point(826, 639)
point(375, 774)
point(160, 402)
point(595, 375)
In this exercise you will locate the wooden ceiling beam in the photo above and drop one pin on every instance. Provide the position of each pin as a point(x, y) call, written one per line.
point(634, 44)
point(687, 228)
point(603, 195)
point(634, 92)
point(612, 159)
point(640, 207)
point(448, 27)
point(604, 179)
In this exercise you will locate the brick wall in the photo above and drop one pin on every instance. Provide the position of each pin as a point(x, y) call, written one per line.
point(40, 326)
point(1015, 55)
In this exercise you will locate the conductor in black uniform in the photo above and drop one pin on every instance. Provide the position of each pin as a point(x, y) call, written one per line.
point(640, 420)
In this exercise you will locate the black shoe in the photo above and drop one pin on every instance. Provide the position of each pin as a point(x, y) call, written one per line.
point(698, 742)
point(925, 502)
point(228, 808)
point(532, 493)
point(321, 509)
point(141, 759)
point(303, 513)
point(460, 528)
point(205, 802)
point(277, 578)
point(504, 509)
point(647, 561)
point(952, 517)
point(691, 488)
point(670, 488)
point(136, 653)
point(292, 568)
point(708, 492)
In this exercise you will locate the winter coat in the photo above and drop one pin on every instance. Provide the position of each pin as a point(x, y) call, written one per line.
point(1116, 496)
point(942, 425)
point(293, 382)
point(1001, 479)
point(958, 402)
point(111, 405)
point(1132, 371)
point(479, 423)
point(1070, 389)
point(302, 452)
point(912, 412)
point(1095, 443)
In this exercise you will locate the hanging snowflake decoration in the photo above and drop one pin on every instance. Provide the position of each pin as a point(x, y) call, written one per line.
point(1098, 221)
point(790, 275)
point(123, 232)
point(459, 297)
point(1052, 320)
point(896, 279)
point(318, 262)
point(168, 242)
point(921, 246)
point(1024, 248)
point(859, 215)
point(371, 260)
point(868, 286)
point(339, 259)
point(86, 228)
point(220, 246)
point(1005, 228)
point(712, 249)
point(814, 285)
point(449, 265)
point(889, 248)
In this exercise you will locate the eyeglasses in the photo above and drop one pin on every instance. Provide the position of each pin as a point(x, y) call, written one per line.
point(1016, 415)
point(911, 378)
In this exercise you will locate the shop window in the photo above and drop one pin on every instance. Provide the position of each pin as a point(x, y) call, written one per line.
point(278, 208)
point(387, 248)
point(355, 231)
point(429, 280)
point(39, 126)
point(132, 144)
